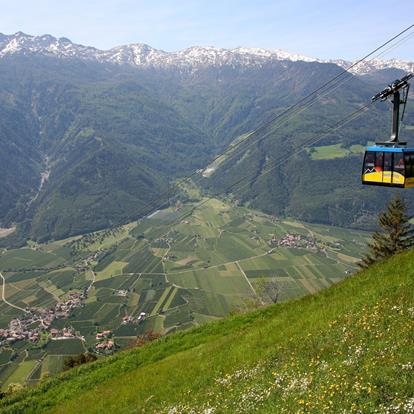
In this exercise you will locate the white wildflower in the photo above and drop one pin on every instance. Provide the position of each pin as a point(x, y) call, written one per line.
point(408, 366)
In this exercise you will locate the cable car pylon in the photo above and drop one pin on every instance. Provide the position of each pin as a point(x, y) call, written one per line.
point(393, 91)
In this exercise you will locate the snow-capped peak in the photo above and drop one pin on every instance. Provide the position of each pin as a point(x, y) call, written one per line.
point(142, 55)
point(374, 64)
point(21, 43)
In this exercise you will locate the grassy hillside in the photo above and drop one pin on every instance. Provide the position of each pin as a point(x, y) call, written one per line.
point(348, 349)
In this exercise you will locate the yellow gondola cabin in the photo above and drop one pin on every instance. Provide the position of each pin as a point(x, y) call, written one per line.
point(389, 166)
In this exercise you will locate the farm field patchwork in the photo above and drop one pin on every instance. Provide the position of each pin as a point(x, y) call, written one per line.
point(165, 273)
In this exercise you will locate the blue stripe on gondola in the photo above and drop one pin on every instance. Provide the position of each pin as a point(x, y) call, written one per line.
point(389, 149)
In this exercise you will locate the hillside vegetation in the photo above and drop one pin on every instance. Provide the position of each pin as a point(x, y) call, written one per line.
point(347, 349)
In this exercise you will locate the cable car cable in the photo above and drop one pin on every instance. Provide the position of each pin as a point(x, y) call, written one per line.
point(333, 128)
point(302, 109)
point(343, 72)
point(295, 107)
point(278, 162)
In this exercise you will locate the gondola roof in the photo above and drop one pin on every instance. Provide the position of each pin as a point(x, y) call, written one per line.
point(379, 148)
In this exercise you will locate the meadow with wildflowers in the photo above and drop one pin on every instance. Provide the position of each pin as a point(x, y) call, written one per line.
point(347, 349)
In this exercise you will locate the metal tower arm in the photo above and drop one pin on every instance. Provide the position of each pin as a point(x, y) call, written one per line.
point(393, 91)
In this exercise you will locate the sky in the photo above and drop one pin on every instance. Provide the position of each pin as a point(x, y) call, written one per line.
point(324, 29)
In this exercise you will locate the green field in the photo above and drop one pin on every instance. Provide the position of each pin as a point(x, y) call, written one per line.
point(65, 347)
point(179, 272)
point(28, 258)
point(21, 374)
point(114, 268)
point(326, 152)
point(52, 364)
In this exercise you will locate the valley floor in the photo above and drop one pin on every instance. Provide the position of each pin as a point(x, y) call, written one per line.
point(176, 269)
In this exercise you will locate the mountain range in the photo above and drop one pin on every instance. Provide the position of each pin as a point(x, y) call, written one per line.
point(140, 54)
point(88, 142)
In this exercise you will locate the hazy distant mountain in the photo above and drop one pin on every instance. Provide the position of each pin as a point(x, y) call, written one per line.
point(192, 58)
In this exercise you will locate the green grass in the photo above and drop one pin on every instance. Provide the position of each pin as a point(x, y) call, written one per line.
point(5, 355)
point(326, 152)
point(345, 349)
point(21, 373)
point(161, 300)
point(62, 277)
point(212, 280)
point(170, 299)
point(106, 240)
point(115, 268)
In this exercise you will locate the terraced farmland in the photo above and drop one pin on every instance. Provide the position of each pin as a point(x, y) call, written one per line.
point(177, 272)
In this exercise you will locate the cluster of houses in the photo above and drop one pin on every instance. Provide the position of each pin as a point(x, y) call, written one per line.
point(19, 330)
point(62, 309)
point(105, 344)
point(133, 319)
point(65, 333)
point(76, 300)
point(38, 320)
point(163, 241)
point(87, 262)
point(294, 241)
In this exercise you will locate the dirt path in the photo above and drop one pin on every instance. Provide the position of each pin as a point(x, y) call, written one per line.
point(247, 279)
point(92, 281)
point(164, 257)
point(3, 296)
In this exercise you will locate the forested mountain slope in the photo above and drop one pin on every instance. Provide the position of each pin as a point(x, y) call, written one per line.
point(89, 144)
point(110, 147)
point(286, 173)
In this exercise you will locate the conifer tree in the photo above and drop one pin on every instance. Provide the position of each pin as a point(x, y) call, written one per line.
point(396, 233)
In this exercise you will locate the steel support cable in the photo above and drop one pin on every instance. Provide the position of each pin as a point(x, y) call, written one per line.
point(307, 105)
point(276, 163)
point(320, 88)
point(238, 147)
point(393, 46)
point(296, 107)
point(311, 142)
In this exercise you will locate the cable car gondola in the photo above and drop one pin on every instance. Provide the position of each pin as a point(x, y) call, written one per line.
point(389, 166)
point(390, 163)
